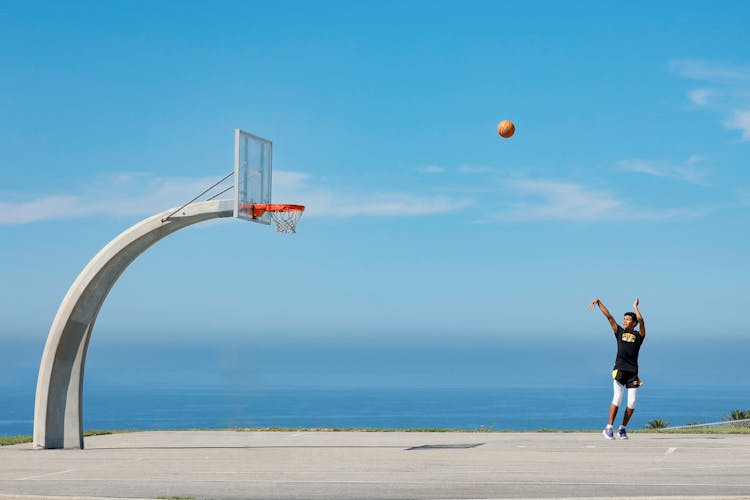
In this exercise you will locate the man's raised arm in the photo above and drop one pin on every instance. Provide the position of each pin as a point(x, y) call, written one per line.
point(605, 312)
point(639, 317)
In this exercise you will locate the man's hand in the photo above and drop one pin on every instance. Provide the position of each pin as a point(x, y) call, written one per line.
point(605, 312)
point(639, 317)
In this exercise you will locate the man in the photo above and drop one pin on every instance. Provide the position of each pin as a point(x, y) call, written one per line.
point(625, 373)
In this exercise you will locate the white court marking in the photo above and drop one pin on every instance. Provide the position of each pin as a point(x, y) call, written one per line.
point(667, 454)
point(37, 476)
point(364, 481)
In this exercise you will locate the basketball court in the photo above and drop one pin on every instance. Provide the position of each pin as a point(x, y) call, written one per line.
point(382, 465)
point(324, 465)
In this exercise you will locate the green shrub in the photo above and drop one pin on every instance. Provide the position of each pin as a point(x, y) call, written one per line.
point(738, 415)
point(657, 423)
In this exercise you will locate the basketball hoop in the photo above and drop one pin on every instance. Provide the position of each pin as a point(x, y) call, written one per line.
point(285, 216)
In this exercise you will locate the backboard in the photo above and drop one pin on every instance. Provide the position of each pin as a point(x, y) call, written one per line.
point(252, 175)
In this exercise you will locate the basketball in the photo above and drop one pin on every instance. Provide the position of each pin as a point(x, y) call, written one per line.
point(506, 128)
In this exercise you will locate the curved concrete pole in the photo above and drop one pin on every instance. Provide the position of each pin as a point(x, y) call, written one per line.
point(58, 416)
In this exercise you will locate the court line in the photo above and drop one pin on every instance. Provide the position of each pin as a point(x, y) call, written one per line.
point(536, 483)
point(666, 455)
point(37, 476)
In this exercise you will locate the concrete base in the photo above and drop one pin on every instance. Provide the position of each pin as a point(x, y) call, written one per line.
point(375, 465)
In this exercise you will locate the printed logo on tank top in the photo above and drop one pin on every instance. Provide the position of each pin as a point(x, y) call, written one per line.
point(628, 337)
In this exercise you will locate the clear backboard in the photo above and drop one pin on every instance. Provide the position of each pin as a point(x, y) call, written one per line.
point(252, 175)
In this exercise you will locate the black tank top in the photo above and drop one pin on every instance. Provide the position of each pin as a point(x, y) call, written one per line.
point(628, 345)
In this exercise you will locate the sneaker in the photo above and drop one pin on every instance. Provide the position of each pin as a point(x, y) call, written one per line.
point(622, 433)
point(609, 433)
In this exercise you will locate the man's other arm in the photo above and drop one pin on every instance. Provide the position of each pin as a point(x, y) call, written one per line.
point(605, 312)
point(639, 317)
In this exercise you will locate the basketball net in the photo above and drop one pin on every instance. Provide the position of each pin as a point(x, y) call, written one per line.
point(286, 222)
point(284, 216)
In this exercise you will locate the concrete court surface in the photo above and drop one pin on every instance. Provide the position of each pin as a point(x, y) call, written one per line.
point(382, 465)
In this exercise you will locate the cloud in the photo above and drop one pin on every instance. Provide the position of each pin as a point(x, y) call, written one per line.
point(320, 200)
point(463, 169)
point(117, 194)
point(740, 120)
point(556, 201)
point(700, 97)
point(729, 96)
point(126, 177)
point(289, 181)
point(475, 169)
point(710, 71)
point(544, 200)
point(44, 208)
point(143, 194)
point(431, 169)
point(687, 172)
point(392, 204)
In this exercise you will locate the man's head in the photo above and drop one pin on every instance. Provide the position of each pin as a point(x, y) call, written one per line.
point(629, 321)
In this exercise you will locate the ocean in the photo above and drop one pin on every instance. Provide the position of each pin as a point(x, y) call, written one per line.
point(404, 386)
point(143, 408)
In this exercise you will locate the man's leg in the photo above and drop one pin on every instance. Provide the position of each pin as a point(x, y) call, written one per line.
point(617, 389)
point(613, 413)
point(626, 417)
point(632, 397)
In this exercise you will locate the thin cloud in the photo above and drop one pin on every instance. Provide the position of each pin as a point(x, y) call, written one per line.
point(710, 71)
point(431, 169)
point(700, 97)
point(475, 169)
point(740, 120)
point(126, 177)
point(44, 208)
point(290, 181)
point(392, 204)
point(543, 200)
point(143, 194)
point(550, 200)
point(324, 201)
point(730, 92)
point(462, 169)
point(118, 194)
point(687, 172)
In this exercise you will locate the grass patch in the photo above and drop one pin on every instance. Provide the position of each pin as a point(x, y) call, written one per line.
point(726, 430)
point(359, 429)
point(8, 440)
point(102, 433)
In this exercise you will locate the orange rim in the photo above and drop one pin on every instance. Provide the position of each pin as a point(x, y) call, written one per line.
point(258, 209)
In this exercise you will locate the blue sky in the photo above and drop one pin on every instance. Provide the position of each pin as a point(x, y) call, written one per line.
point(628, 174)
